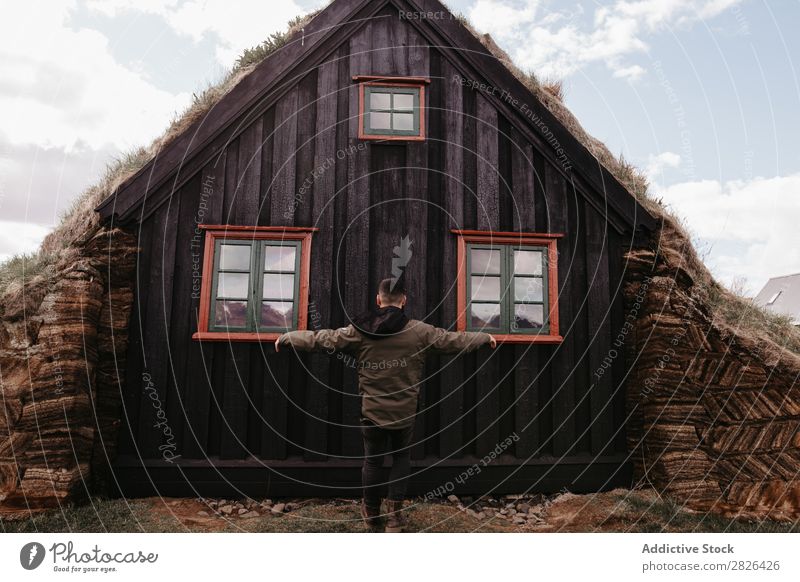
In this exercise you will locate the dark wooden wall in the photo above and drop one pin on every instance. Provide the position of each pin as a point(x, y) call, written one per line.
point(240, 403)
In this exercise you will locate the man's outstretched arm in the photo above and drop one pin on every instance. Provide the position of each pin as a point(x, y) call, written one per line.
point(450, 342)
point(330, 340)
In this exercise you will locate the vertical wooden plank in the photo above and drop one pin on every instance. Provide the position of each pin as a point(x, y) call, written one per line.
point(306, 136)
point(255, 396)
point(578, 296)
point(135, 361)
point(541, 208)
point(246, 203)
point(231, 193)
point(437, 237)
point(322, 192)
point(470, 141)
point(248, 212)
point(357, 239)
point(487, 383)
point(304, 388)
point(562, 369)
point(282, 191)
point(488, 192)
point(616, 268)
point(526, 367)
point(389, 208)
point(274, 406)
point(233, 431)
point(523, 180)
point(336, 397)
point(470, 221)
point(184, 305)
point(155, 428)
point(216, 420)
point(199, 366)
point(267, 154)
point(451, 406)
point(236, 378)
point(417, 192)
point(526, 410)
point(506, 201)
point(389, 38)
point(544, 375)
point(600, 332)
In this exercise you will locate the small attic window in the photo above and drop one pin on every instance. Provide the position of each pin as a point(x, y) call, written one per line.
point(391, 108)
point(774, 298)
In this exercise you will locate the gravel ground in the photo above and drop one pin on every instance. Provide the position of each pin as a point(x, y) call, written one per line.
point(614, 511)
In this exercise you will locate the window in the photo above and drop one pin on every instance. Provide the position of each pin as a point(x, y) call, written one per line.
point(254, 282)
point(507, 285)
point(774, 298)
point(392, 108)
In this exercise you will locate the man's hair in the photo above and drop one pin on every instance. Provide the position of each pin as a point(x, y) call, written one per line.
point(391, 290)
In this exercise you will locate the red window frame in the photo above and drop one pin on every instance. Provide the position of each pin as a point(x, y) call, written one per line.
point(215, 232)
point(547, 240)
point(371, 80)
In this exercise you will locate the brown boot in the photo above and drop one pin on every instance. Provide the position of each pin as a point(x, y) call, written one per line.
point(372, 517)
point(396, 522)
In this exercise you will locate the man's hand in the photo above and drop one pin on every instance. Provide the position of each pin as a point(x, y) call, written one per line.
point(278, 344)
point(492, 342)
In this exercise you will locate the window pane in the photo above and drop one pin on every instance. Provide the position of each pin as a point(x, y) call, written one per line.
point(528, 262)
point(486, 261)
point(380, 120)
point(485, 315)
point(403, 121)
point(277, 314)
point(230, 314)
point(233, 285)
point(278, 286)
point(403, 101)
point(485, 288)
point(234, 257)
point(528, 289)
point(528, 316)
point(379, 100)
point(279, 258)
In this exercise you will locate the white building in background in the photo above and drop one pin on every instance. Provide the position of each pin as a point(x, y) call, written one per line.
point(782, 295)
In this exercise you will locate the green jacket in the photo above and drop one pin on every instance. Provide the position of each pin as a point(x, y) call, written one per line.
point(389, 368)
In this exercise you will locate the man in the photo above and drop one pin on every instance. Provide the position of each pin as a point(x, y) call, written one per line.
point(390, 350)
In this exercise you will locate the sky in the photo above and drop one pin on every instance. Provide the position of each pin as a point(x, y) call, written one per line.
point(702, 95)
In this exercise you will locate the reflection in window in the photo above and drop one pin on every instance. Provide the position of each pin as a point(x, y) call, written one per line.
point(255, 286)
point(391, 110)
point(507, 288)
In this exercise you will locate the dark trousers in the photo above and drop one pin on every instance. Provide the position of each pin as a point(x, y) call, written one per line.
point(378, 442)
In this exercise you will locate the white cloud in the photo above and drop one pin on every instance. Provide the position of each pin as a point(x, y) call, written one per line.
point(501, 19)
point(657, 164)
point(631, 73)
point(20, 237)
point(558, 43)
point(61, 87)
point(749, 227)
point(235, 24)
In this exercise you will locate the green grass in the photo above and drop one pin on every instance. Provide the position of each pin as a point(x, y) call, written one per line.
point(669, 515)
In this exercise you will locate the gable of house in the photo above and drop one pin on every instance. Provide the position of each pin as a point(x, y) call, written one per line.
point(425, 23)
